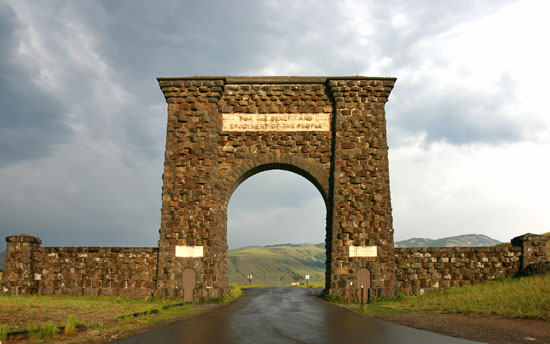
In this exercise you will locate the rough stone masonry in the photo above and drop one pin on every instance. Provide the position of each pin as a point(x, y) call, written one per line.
point(222, 130)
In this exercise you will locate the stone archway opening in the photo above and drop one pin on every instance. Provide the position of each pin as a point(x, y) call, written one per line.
point(272, 208)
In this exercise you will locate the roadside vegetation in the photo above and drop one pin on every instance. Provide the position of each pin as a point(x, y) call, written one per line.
point(236, 290)
point(51, 316)
point(90, 319)
point(524, 297)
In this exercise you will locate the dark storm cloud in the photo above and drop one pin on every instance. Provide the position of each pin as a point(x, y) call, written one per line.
point(218, 38)
point(31, 120)
point(142, 41)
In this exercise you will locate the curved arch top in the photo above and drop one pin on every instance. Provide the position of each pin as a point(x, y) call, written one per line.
point(318, 177)
point(222, 130)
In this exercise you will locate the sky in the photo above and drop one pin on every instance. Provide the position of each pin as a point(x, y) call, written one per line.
point(83, 121)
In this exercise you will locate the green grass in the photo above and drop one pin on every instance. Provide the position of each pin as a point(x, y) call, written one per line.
point(526, 298)
point(4, 329)
point(16, 312)
point(100, 326)
point(98, 303)
point(43, 315)
point(50, 330)
point(70, 325)
point(236, 290)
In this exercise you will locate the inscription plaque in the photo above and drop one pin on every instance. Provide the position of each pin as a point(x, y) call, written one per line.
point(189, 251)
point(276, 122)
point(363, 251)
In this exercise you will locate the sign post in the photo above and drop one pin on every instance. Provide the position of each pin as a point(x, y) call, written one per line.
point(307, 280)
point(249, 277)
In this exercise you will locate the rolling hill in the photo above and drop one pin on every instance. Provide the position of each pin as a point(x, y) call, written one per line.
point(467, 240)
point(277, 264)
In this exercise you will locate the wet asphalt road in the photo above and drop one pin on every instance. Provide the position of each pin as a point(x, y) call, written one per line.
point(286, 315)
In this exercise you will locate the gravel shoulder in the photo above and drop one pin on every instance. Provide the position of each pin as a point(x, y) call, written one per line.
point(483, 329)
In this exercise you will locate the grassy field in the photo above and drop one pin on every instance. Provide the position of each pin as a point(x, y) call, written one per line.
point(111, 317)
point(526, 298)
point(40, 315)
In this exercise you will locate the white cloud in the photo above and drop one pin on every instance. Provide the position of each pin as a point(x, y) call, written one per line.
point(500, 191)
point(488, 69)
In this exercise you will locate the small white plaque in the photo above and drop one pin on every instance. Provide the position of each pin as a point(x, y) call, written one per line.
point(276, 122)
point(307, 277)
point(363, 251)
point(189, 251)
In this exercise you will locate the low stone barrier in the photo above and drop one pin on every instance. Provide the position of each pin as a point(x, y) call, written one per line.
point(117, 271)
point(132, 272)
point(425, 269)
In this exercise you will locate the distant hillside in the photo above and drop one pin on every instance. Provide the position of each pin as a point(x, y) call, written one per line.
point(277, 264)
point(467, 240)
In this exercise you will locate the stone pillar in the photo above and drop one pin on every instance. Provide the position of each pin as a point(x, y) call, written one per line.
point(190, 234)
point(18, 276)
point(534, 248)
point(362, 226)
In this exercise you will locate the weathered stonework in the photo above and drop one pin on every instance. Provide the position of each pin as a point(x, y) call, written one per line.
point(118, 271)
point(421, 270)
point(223, 130)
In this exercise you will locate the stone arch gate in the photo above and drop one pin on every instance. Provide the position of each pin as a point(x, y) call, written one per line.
point(222, 130)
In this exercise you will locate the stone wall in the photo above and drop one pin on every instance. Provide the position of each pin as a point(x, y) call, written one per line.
point(118, 271)
point(132, 272)
point(422, 270)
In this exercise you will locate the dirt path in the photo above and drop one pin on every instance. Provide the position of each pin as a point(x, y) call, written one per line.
point(483, 329)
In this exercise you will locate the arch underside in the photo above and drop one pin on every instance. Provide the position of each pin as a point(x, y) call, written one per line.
point(318, 176)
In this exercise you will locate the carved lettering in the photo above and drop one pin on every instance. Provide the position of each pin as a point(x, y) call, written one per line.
point(276, 122)
point(363, 251)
